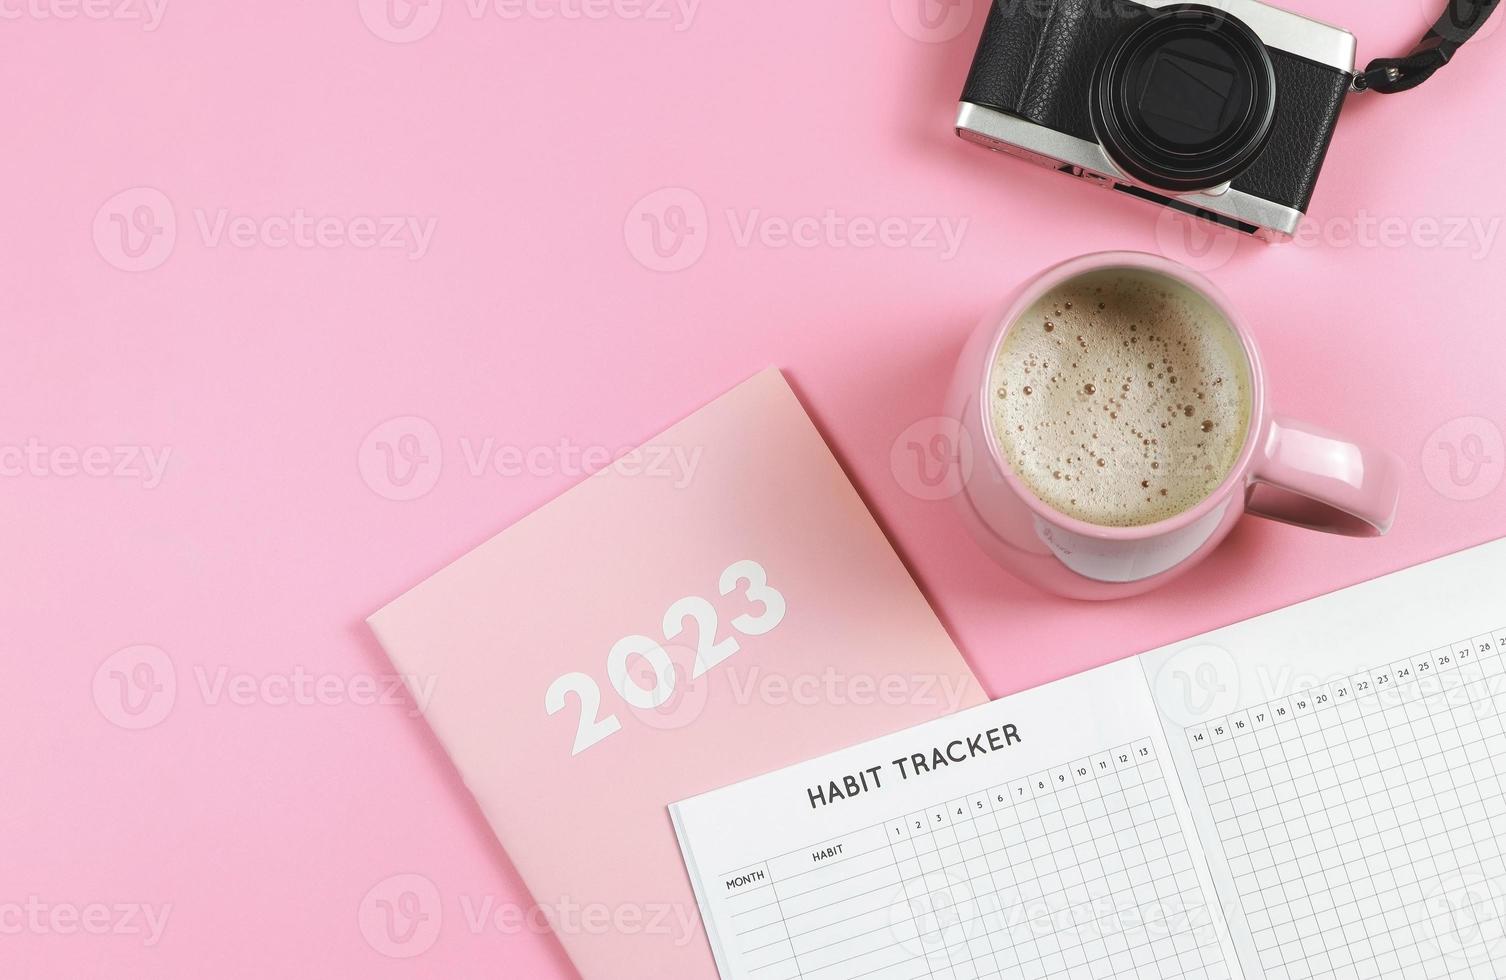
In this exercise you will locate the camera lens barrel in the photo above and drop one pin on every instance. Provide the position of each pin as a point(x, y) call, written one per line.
point(1184, 100)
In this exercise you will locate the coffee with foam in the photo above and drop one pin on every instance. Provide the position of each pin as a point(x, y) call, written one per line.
point(1121, 397)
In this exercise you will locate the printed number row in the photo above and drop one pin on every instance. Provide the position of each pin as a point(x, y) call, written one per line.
point(1382, 685)
point(1042, 784)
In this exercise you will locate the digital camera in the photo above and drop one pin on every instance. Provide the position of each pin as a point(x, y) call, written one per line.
point(1221, 112)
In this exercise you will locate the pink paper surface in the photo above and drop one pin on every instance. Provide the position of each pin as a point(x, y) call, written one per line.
point(536, 318)
point(840, 647)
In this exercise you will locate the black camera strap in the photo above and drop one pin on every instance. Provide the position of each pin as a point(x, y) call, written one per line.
point(1458, 24)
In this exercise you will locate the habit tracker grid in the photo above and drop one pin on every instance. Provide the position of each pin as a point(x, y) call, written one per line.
point(1309, 794)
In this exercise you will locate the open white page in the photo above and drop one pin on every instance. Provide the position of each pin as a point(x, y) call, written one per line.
point(1041, 835)
point(1344, 760)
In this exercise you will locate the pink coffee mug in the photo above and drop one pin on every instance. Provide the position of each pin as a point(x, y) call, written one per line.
point(1287, 471)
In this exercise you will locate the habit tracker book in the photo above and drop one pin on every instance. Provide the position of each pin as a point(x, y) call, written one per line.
point(657, 631)
point(1314, 793)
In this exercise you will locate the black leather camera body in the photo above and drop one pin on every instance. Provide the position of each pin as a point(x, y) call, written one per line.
point(1221, 112)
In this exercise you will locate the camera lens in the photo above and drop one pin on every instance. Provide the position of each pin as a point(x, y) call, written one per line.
point(1184, 100)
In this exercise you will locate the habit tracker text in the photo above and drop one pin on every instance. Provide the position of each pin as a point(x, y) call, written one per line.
point(939, 757)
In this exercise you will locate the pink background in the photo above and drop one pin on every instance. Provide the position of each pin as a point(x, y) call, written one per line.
point(534, 317)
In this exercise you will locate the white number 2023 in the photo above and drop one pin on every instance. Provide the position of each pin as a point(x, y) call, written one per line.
point(710, 651)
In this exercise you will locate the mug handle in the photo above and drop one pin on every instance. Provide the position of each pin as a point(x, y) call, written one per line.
point(1311, 478)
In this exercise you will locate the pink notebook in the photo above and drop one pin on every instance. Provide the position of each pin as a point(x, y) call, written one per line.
point(716, 605)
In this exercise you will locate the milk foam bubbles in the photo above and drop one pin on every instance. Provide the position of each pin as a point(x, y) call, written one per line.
point(1121, 397)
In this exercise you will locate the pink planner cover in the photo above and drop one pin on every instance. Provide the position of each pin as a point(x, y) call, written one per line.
point(717, 617)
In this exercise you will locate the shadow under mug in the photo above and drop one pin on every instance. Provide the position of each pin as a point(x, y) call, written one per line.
point(1286, 470)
